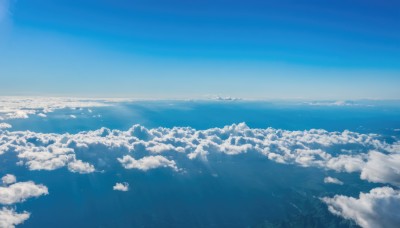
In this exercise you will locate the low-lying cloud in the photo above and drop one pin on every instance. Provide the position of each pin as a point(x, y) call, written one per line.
point(9, 218)
point(123, 187)
point(377, 209)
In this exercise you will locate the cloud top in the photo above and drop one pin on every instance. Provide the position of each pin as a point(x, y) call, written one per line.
point(145, 149)
point(123, 187)
point(146, 163)
point(21, 191)
point(8, 179)
point(377, 209)
point(9, 218)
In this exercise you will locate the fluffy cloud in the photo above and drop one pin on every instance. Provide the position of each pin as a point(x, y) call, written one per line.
point(316, 148)
point(21, 191)
point(382, 168)
point(9, 179)
point(124, 187)
point(81, 167)
point(332, 180)
point(146, 163)
point(9, 218)
point(378, 208)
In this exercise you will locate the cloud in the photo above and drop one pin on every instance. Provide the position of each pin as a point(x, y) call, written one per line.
point(378, 208)
point(382, 168)
point(78, 166)
point(42, 115)
point(72, 116)
point(23, 107)
point(146, 163)
point(124, 187)
point(332, 180)
point(332, 103)
point(21, 191)
point(5, 125)
point(9, 179)
point(228, 98)
point(9, 218)
point(308, 148)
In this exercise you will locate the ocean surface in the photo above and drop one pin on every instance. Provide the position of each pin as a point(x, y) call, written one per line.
point(243, 190)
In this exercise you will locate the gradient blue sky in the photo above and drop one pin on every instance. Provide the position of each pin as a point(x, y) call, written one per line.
point(331, 49)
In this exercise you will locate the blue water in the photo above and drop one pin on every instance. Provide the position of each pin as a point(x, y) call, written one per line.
point(229, 191)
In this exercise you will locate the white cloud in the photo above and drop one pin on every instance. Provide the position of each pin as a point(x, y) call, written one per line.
point(5, 126)
point(78, 166)
point(72, 116)
point(347, 163)
point(316, 148)
point(21, 191)
point(42, 115)
point(377, 209)
point(8, 179)
point(332, 103)
point(9, 218)
point(124, 187)
point(332, 180)
point(146, 163)
point(382, 168)
point(22, 107)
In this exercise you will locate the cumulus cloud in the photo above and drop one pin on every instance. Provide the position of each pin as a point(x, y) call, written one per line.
point(9, 179)
point(315, 148)
point(9, 218)
point(378, 208)
point(124, 187)
point(332, 180)
point(382, 168)
point(81, 167)
point(21, 191)
point(146, 163)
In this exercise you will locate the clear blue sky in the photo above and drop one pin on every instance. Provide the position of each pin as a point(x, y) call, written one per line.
point(331, 49)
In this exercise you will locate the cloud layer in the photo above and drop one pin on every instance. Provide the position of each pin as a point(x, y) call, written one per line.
point(22, 107)
point(143, 149)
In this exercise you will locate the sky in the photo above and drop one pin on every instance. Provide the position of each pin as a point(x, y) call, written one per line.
point(154, 49)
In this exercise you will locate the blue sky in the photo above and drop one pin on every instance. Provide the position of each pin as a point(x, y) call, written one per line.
point(194, 49)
